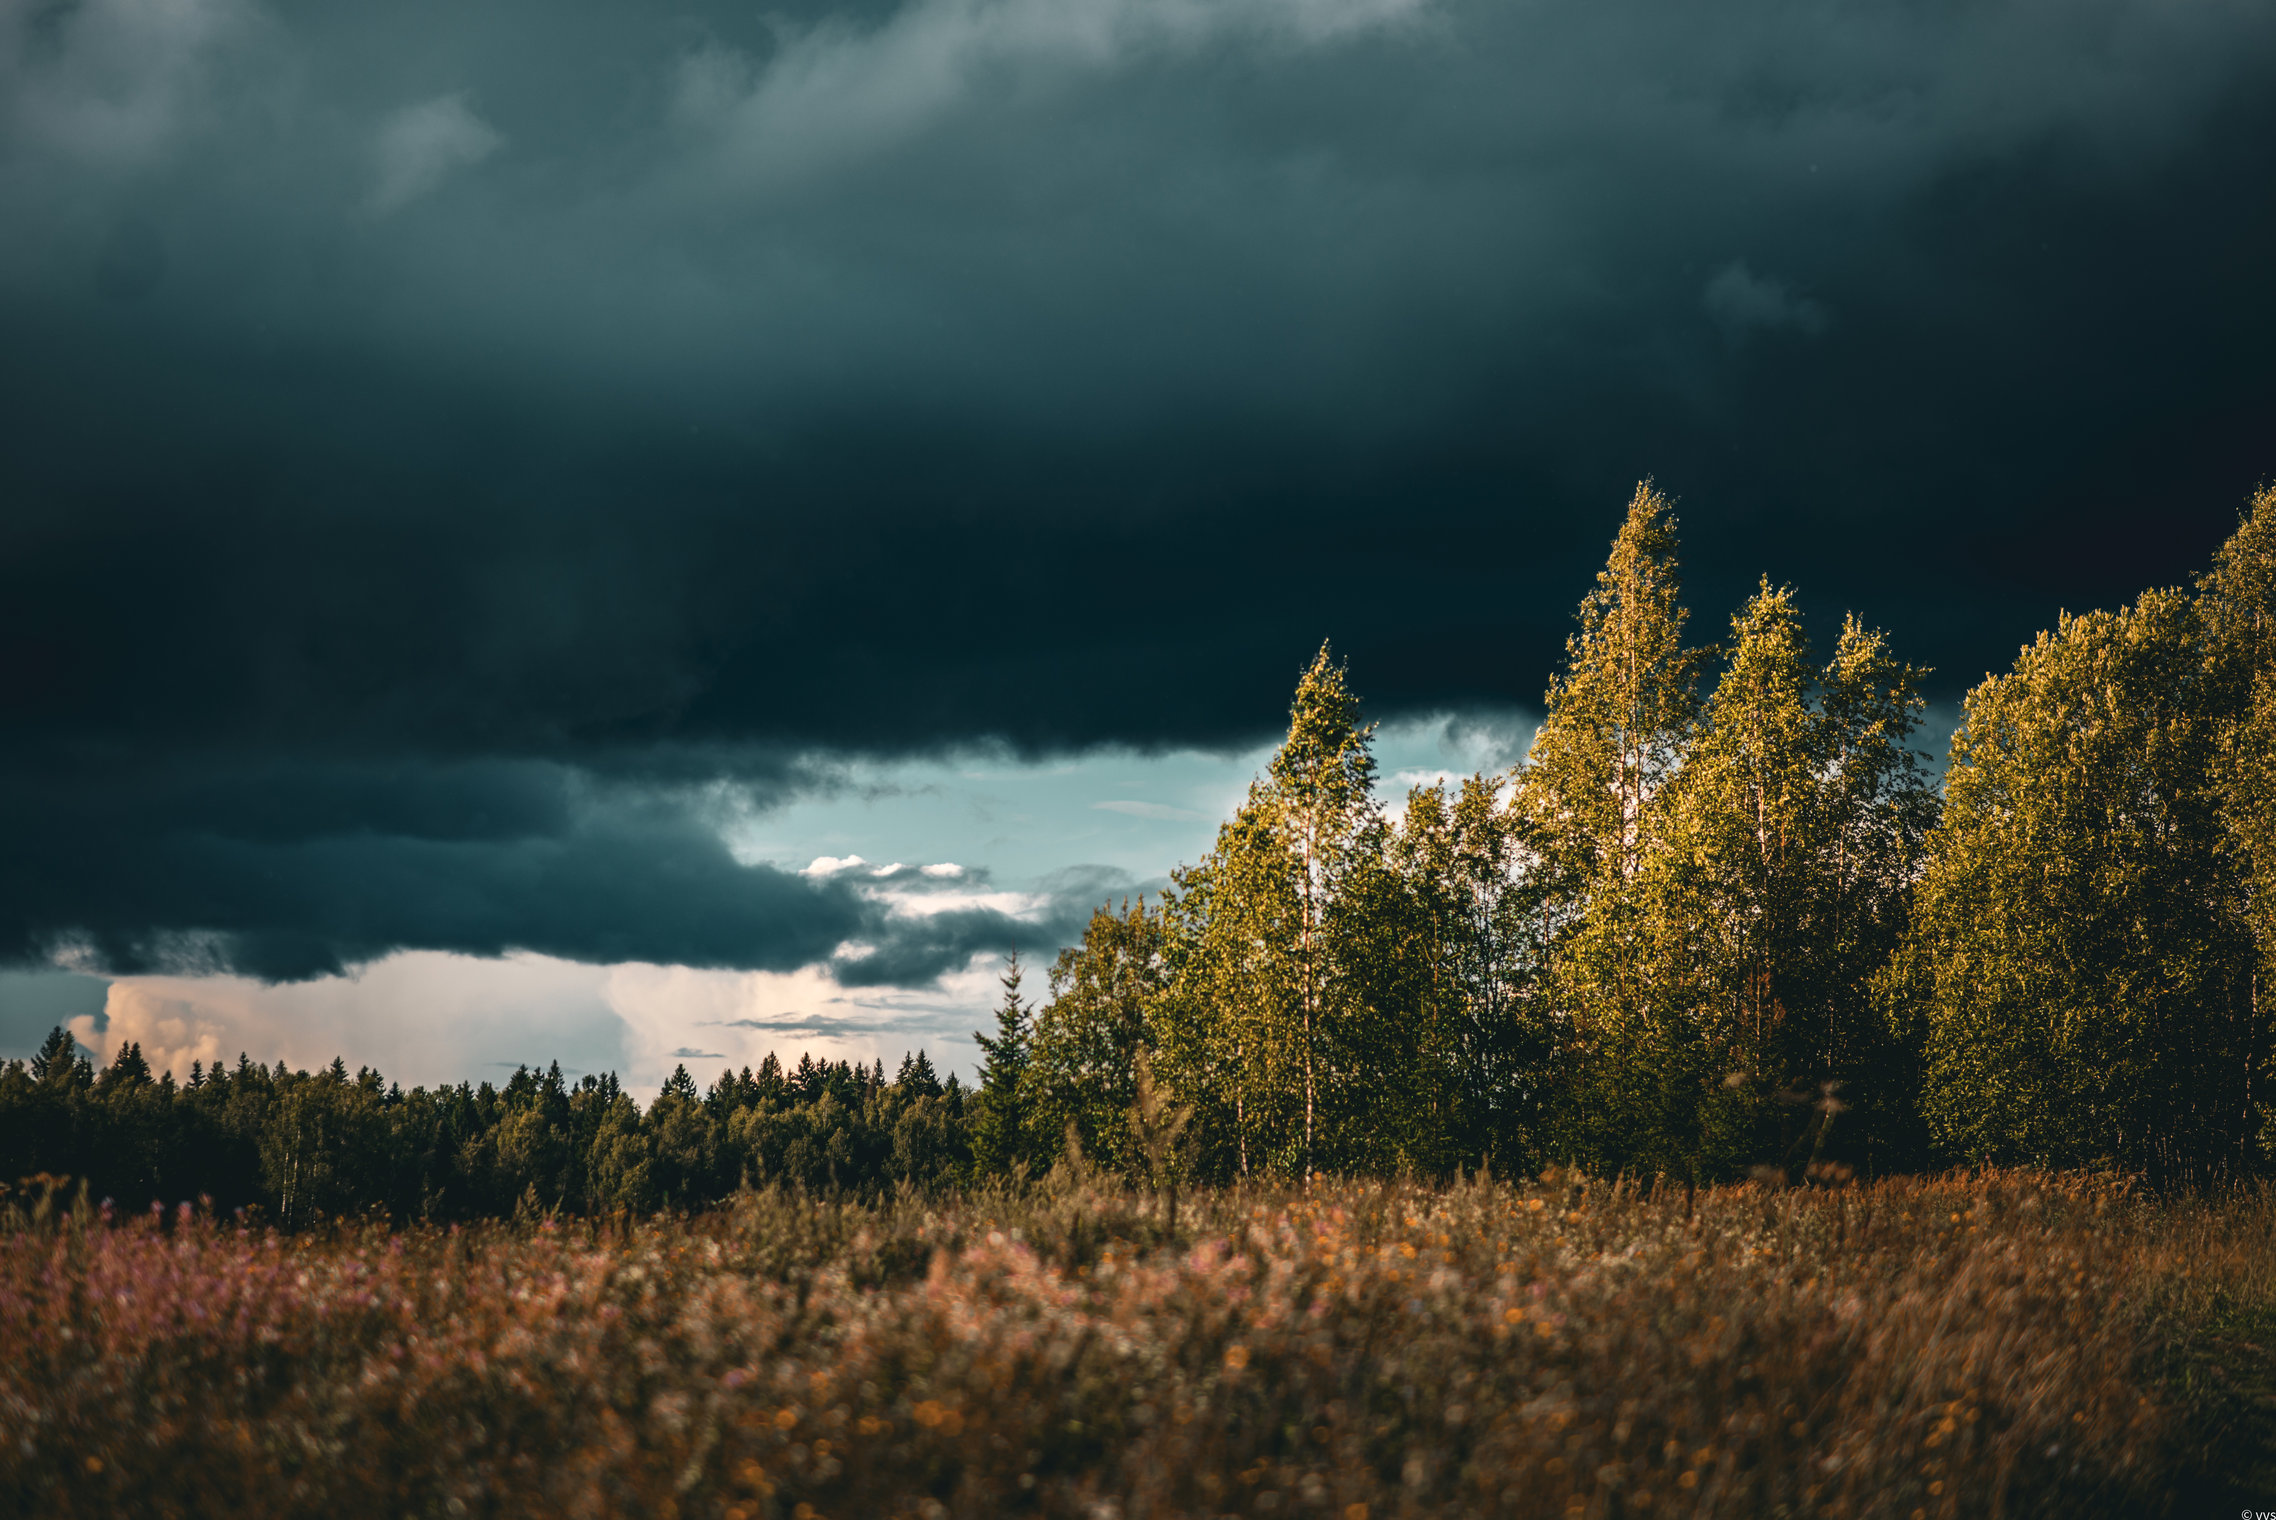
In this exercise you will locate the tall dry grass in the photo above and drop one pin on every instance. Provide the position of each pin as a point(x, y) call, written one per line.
point(2010, 1344)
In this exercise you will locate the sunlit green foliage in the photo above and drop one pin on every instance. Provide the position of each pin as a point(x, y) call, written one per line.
point(1719, 922)
point(2091, 977)
point(1080, 1071)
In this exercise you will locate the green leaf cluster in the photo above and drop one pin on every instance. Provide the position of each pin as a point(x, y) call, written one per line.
point(1723, 919)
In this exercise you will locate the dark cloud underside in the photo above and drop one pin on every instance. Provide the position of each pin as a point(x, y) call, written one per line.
point(415, 417)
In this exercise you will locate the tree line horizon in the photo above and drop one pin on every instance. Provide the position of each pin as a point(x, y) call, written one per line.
point(1723, 920)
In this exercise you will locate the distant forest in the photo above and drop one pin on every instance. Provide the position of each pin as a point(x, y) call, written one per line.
point(1723, 921)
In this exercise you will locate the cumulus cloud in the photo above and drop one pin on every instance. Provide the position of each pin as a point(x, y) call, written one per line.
point(421, 1018)
point(421, 145)
point(174, 1032)
point(430, 1019)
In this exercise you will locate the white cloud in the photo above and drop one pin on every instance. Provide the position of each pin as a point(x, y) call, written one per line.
point(832, 92)
point(425, 1018)
point(172, 1031)
point(422, 1017)
point(1398, 782)
point(421, 145)
point(743, 1015)
point(1026, 905)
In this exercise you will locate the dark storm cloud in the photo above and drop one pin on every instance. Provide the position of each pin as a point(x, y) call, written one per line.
point(310, 869)
point(917, 947)
point(403, 403)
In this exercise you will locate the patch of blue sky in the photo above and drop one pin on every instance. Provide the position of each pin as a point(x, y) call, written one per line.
point(1135, 813)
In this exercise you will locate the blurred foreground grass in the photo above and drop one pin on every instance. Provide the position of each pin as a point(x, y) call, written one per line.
point(2010, 1343)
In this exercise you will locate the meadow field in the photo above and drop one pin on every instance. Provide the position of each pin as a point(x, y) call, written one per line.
point(2006, 1343)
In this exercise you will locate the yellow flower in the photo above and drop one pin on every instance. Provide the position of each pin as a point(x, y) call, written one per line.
point(1236, 1357)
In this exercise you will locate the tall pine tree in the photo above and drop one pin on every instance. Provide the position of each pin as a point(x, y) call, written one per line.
point(999, 1120)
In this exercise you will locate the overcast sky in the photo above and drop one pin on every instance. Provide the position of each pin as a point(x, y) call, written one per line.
point(501, 501)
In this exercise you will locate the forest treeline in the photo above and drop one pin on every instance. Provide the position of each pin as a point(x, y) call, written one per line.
point(1725, 918)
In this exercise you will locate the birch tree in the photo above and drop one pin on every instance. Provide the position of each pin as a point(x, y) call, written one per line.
point(1319, 790)
point(2088, 974)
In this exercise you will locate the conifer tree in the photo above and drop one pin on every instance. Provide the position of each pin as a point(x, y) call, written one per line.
point(58, 1063)
point(916, 1077)
point(999, 1115)
point(128, 1068)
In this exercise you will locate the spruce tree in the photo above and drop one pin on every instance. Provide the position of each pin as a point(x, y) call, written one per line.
point(57, 1061)
point(128, 1068)
point(999, 1117)
point(916, 1077)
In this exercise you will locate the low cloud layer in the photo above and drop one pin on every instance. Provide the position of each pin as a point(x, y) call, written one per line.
point(306, 871)
point(444, 443)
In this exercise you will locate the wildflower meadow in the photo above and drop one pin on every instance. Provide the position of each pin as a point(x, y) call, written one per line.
point(2005, 1343)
